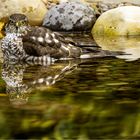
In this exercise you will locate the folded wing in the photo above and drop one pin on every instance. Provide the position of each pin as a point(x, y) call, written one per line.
point(40, 41)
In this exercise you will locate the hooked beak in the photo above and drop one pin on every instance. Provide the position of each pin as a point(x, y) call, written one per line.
point(17, 26)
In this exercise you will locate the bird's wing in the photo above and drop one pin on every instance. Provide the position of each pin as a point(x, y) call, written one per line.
point(41, 41)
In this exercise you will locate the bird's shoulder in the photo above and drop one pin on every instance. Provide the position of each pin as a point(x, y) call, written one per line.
point(40, 41)
point(45, 37)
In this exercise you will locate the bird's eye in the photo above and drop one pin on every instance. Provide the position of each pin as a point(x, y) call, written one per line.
point(23, 22)
point(11, 22)
point(20, 23)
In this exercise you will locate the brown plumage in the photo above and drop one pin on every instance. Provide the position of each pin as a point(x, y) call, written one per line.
point(40, 41)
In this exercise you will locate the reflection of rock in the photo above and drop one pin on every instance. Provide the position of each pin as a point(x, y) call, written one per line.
point(34, 9)
point(119, 21)
point(21, 79)
point(70, 16)
point(130, 46)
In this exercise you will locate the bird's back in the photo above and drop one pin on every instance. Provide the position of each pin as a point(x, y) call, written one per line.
point(40, 41)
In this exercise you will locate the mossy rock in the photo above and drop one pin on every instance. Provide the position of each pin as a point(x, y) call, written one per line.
point(121, 21)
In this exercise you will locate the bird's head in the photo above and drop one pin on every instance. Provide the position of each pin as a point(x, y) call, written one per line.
point(17, 23)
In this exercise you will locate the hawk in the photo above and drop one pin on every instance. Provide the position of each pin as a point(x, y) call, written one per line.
point(39, 44)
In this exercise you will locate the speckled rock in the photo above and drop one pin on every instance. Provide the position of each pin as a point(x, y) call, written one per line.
point(34, 9)
point(119, 21)
point(70, 16)
point(50, 3)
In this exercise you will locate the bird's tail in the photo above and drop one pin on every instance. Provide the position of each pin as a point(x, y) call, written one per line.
point(97, 52)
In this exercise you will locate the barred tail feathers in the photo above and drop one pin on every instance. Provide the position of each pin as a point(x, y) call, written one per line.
point(97, 53)
point(89, 52)
point(42, 60)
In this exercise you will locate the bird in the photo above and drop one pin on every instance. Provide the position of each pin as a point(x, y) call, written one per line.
point(39, 44)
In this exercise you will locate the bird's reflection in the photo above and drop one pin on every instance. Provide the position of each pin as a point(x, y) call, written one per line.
point(22, 78)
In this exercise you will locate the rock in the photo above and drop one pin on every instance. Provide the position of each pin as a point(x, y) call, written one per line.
point(119, 21)
point(82, 1)
point(101, 7)
point(50, 3)
point(34, 9)
point(115, 1)
point(61, 1)
point(70, 16)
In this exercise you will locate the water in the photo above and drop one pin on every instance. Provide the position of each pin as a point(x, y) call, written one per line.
point(91, 99)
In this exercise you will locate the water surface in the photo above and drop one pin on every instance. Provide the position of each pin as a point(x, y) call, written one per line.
point(91, 99)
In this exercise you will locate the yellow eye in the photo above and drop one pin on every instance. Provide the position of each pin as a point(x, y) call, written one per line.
point(11, 22)
point(20, 23)
point(23, 22)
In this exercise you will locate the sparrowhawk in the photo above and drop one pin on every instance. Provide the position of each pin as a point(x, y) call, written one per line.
point(39, 44)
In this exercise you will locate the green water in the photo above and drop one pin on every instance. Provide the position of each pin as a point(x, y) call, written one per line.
point(91, 99)
point(95, 99)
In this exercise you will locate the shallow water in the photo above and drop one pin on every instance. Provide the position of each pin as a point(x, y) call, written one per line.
point(81, 99)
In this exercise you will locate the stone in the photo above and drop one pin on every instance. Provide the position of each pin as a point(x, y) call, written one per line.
point(123, 20)
point(50, 3)
point(115, 1)
point(70, 16)
point(101, 7)
point(82, 1)
point(33, 9)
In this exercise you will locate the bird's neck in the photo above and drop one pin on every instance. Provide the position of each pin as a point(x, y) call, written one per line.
point(21, 31)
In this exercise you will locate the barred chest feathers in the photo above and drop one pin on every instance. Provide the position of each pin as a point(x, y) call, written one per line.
point(12, 47)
